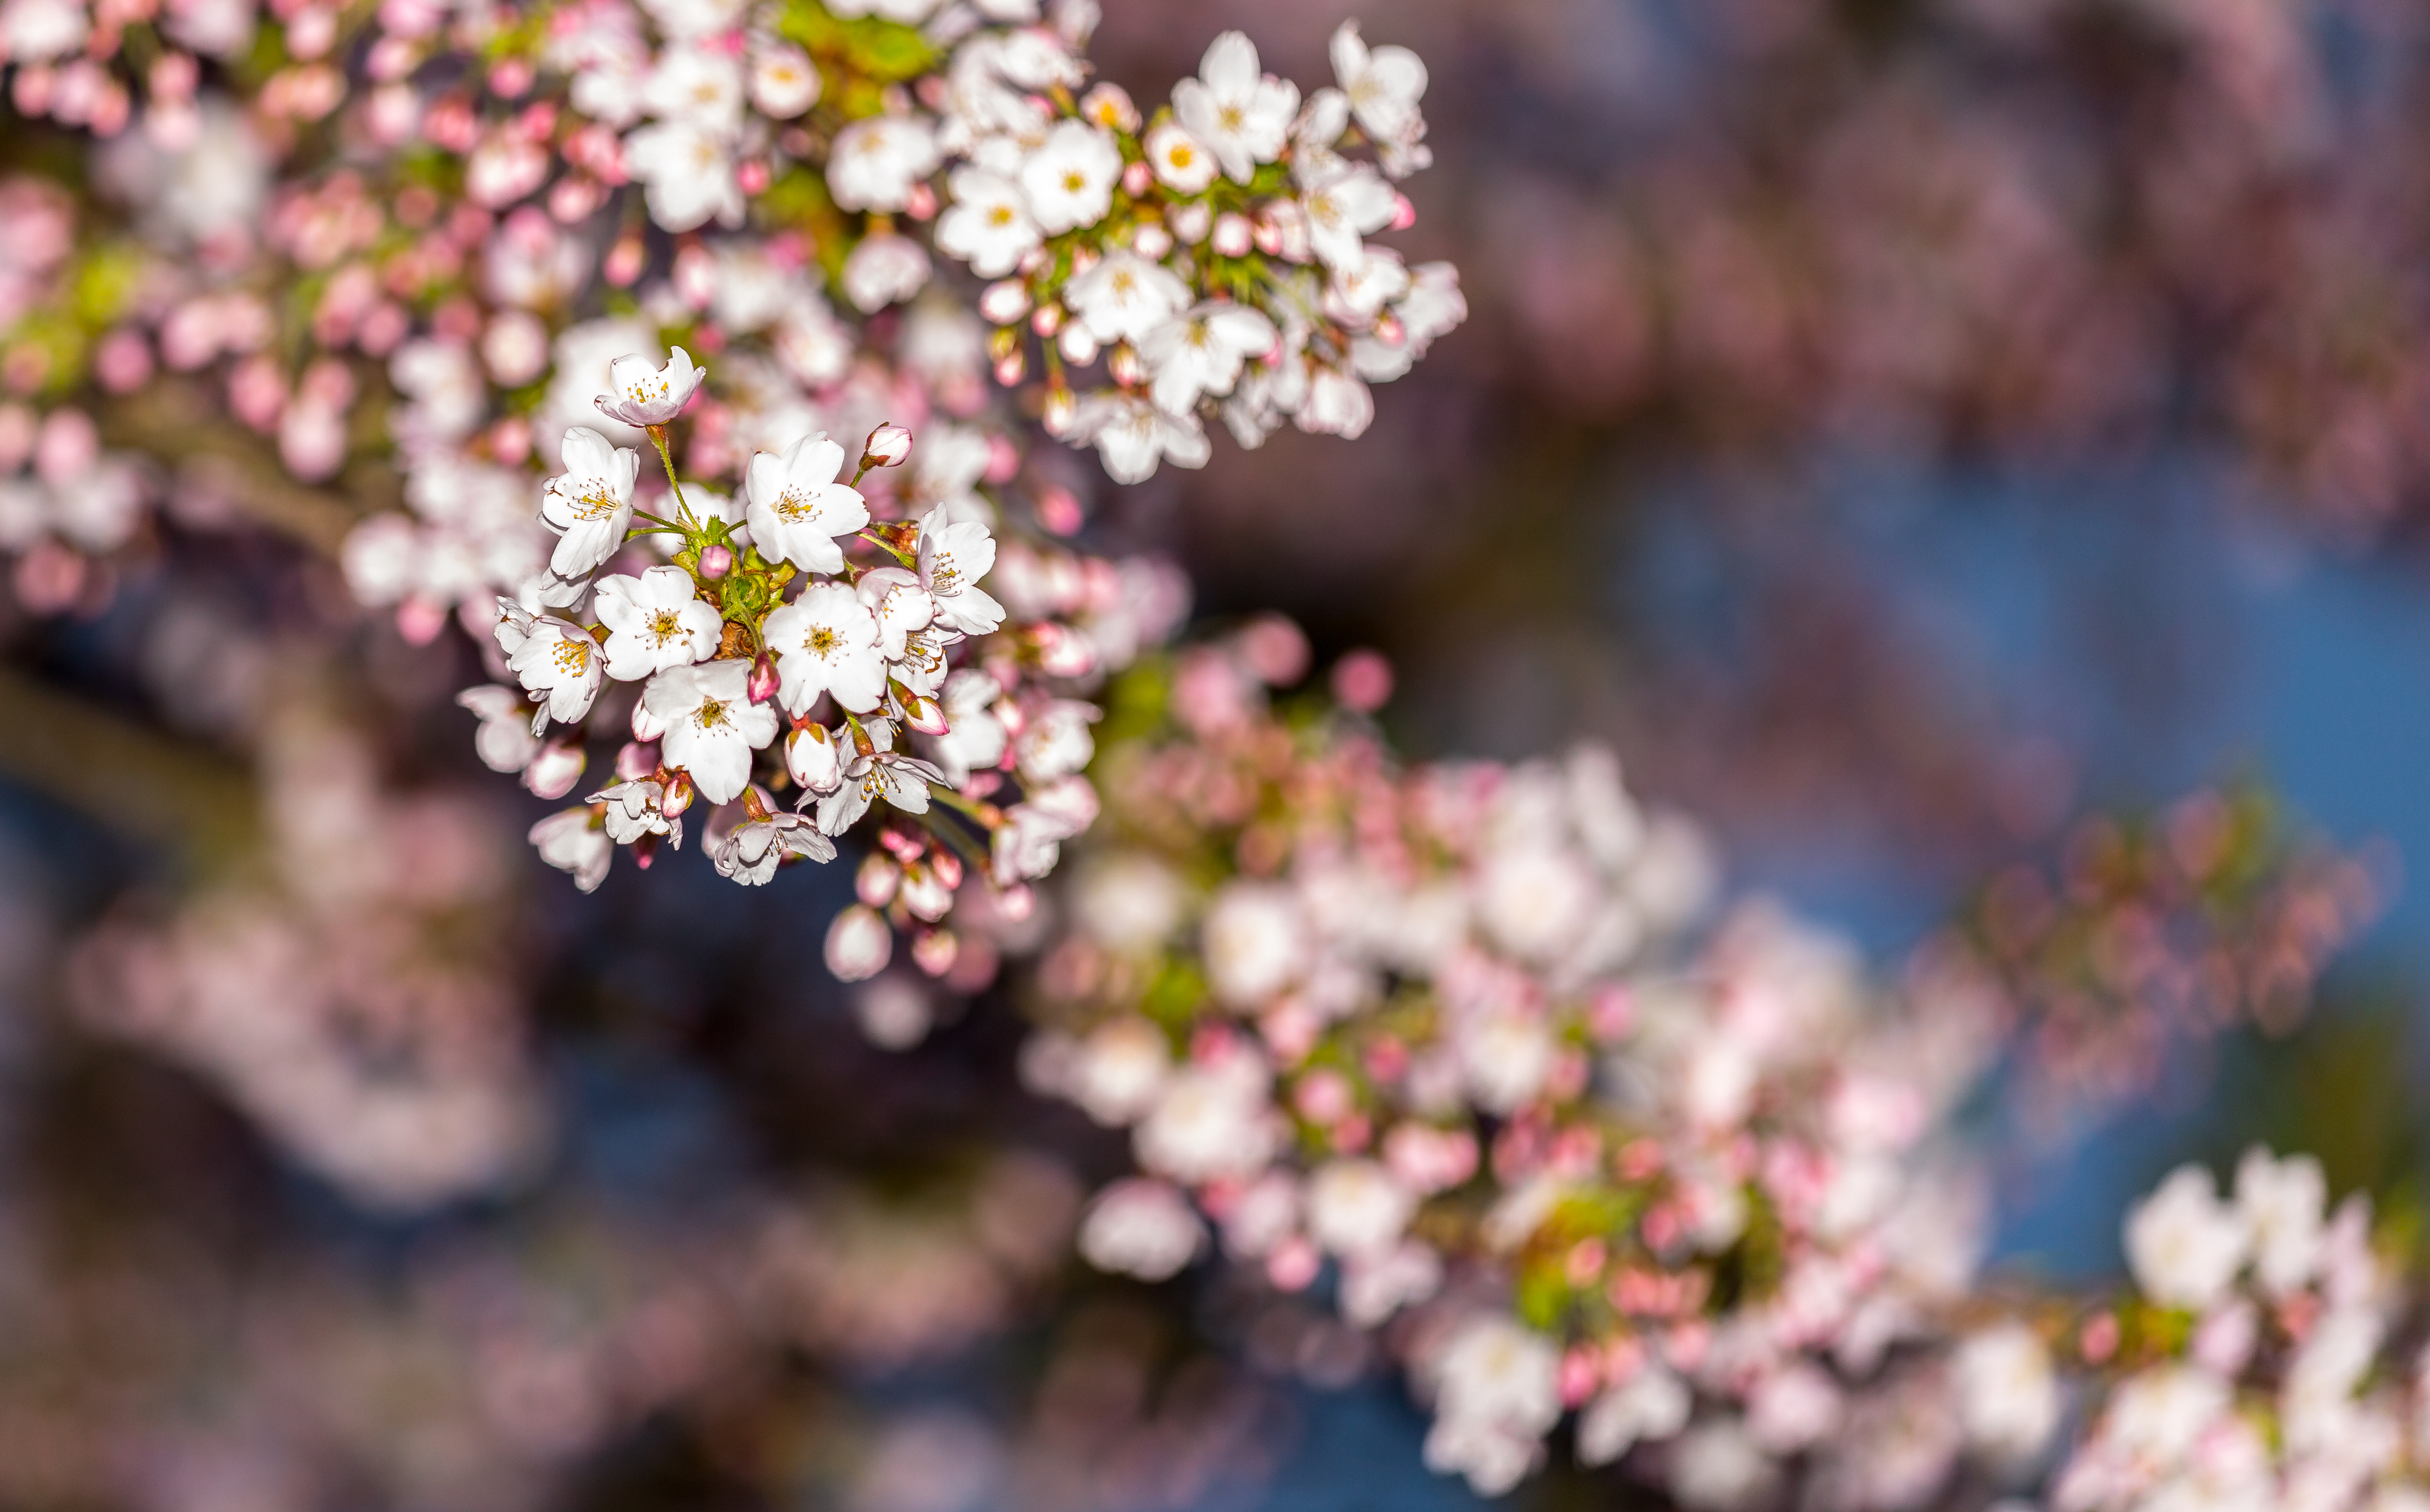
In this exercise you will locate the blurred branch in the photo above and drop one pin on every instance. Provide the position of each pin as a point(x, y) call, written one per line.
point(128, 778)
point(174, 418)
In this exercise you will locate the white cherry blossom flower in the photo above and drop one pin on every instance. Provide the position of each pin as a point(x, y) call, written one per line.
point(903, 607)
point(875, 161)
point(1180, 161)
point(858, 944)
point(654, 621)
point(1125, 296)
point(901, 780)
point(2008, 1392)
point(633, 810)
point(2184, 1245)
point(975, 738)
point(953, 555)
point(1383, 86)
point(504, 742)
point(1143, 1228)
point(757, 845)
point(1650, 1406)
point(1243, 115)
point(1201, 353)
point(1344, 202)
point(711, 724)
point(798, 509)
point(1069, 178)
point(884, 270)
point(1356, 1207)
point(1132, 435)
point(825, 642)
point(573, 840)
point(688, 174)
point(641, 394)
point(699, 86)
point(784, 82)
point(561, 661)
point(988, 224)
point(1055, 742)
point(590, 505)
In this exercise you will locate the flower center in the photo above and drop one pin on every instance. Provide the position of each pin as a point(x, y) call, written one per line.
point(573, 656)
point(1074, 181)
point(822, 641)
point(666, 625)
point(1231, 118)
point(712, 713)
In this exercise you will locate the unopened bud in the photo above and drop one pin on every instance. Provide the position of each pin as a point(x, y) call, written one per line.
point(647, 726)
point(1190, 222)
point(637, 760)
point(762, 686)
point(935, 950)
point(1046, 319)
point(888, 447)
point(1234, 235)
point(948, 868)
point(1138, 178)
point(715, 562)
point(877, 880)
point(678, 795)
point(923, 714)
point(858, 944)
point(811, 759)
point(1016, 903)
point(1125, 366)
point(1152, 241)
point(1011, 368)
point(553, 772)
point(1003, 302)
point(1059, 411)
point(1078, 347)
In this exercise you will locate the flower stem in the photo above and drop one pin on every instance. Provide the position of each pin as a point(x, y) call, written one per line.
point(666, 459)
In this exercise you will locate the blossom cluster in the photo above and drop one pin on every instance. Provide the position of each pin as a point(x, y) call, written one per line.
point(2212, 913)
point(1213, 254)
point(895, 679)
point(1444, 1039)
point(2260, 1362)
point(448, 216)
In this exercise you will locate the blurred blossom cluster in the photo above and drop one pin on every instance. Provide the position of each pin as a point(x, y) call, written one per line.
point(362, 1000)
point(2210, 914)
point(2053, 226)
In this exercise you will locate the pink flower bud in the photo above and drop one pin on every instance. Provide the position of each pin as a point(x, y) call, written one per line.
point(934, 951)
point(1058, 511)
point(715, 562)
point(877, 880)
point(1362, 681)
point(858, 944)
point(762, 686)
point(812, 760)
point(637, 760)
point(1011, 368)
point(678, 795)
point(1233, 235)
point(554, 772)
point(509, 78)
point(647, 726)
point(624, 261)
point(1152, 240)
point(1003, 302)
point(888, 446)
point(1138, 178)
point(923, 714)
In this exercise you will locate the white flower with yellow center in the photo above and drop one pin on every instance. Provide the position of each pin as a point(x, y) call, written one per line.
point(1070, 178)
point(875, 161)
point(989, 226)
point(563, 662)
point(953, 555)
point(1243, 115)
point(825, 642)
point(1201, 353)
point(1384, 85)
point(1125, 296)
point(797, 509)
point(589, 506)
point(654, 621)
point(640, 394)
point(1181, 161)
point(711, 724)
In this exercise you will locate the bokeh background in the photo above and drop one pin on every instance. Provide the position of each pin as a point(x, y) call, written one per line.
point(1907, 429)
